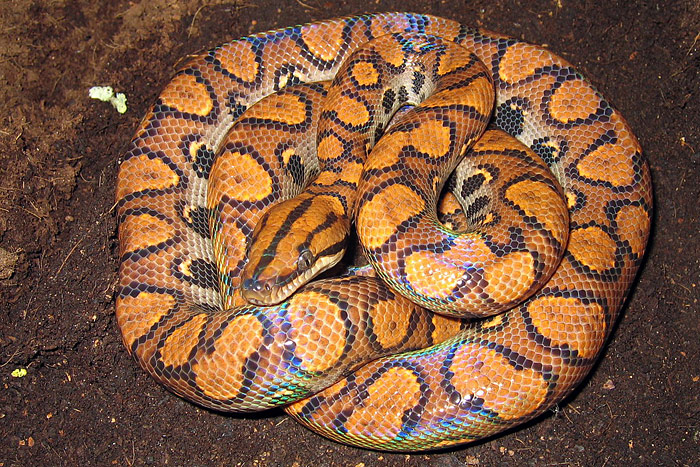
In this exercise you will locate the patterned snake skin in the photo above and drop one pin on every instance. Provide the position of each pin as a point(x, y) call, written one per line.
point(540, 237)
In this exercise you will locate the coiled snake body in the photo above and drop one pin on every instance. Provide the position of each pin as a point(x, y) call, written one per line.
point(215, 152)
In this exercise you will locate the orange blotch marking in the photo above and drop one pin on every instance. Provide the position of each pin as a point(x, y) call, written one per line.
point(187, 95)
point(447, 30)
point(540, 201)
point(593, 248)
point(327, 394)
point(387, 150)
point(431, 138)
point(478, 94)
point(389, 323)
point(438, 275)
point(136, 315)
point(350, 111)
point(220, 373)
point(571, 200)
point(229, 242)
point(238, 59)
point(390, 51)
point(185, 267)
point(394, 23)
point(391, 395)
point(281, 107)
point(510, 277)
point(317, 329)
point(455, 57)
point(246, 179)
point(444, 327)
point(194, 149)
point(365, 73)
point(141, 231)
point(633, 226)
point(609, 163)
point(573, 100)
point(432, 274)
point(325, 42)
point(522, 60)
point(330, 147)
point(141, 173)
point(568, 321)
point(351, 172)
point(378, 217)
point(287, 155)
point(492, 322)
point(326, 178)
point(486, 374)
point(179, 344)
point(449, 204)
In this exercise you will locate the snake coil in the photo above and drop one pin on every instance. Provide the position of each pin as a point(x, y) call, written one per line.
point(228, 137)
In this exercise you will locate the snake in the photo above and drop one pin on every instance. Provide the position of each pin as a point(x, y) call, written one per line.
point(363, 119)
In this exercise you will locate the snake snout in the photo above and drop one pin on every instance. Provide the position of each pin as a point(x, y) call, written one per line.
point(257, 291)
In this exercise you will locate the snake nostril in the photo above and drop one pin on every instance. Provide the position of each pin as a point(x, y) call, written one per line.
point(250, 284)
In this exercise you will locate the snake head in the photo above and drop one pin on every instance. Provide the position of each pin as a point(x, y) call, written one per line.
point(294, 241)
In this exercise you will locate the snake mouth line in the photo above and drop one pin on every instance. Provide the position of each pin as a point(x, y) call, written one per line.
point(275, 291)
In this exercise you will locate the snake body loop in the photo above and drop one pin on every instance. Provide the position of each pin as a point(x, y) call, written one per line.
point(229, 137)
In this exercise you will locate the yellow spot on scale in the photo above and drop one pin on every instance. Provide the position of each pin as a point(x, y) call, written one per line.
point(185, 267)
point(432, 274)
point(431, 138)
point(632, 226)
point(539, 200)
point(477, 94)
point(391, 52)
point(510, 277)
point(195, 146)
point(287, 155)
point(330, 148)
point(444, 327)
point(455, 57)
point(389, 326)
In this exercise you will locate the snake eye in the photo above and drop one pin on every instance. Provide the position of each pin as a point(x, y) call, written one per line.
point(305, 260)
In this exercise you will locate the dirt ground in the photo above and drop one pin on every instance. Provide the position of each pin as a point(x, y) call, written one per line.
point(83, 399)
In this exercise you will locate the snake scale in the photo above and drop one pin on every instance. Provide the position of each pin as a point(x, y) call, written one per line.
point(551, 198)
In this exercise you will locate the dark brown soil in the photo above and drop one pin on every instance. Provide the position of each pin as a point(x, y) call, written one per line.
point(84, 400)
